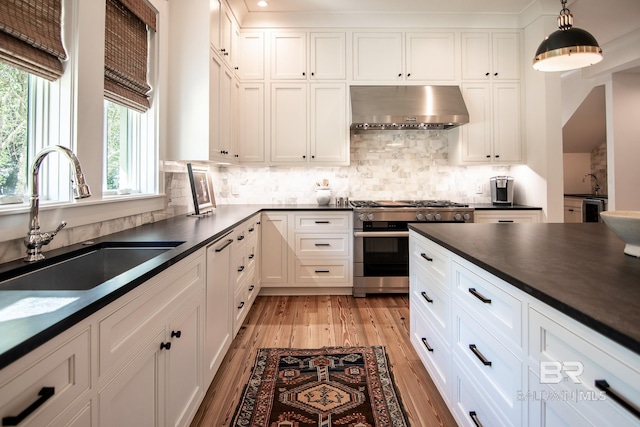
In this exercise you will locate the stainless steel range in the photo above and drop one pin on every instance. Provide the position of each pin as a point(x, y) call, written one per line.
point(381, 239)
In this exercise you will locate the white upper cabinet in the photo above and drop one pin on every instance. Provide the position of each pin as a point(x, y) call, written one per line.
point(289, 56)
point(487, 55)
point(289, 123)
point(227, 35)
point(251, 122)
point(328, 56)
point(214, 24)
point(329, 140)
point(377, 56)
point(431, 56)
point(250, 56)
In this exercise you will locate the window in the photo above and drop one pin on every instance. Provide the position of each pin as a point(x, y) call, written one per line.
point(24, 113)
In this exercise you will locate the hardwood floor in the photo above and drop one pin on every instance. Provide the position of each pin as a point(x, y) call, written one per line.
point(317, 321)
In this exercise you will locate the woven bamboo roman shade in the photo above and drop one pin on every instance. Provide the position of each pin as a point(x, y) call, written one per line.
point(31, 36)
point(126, 52)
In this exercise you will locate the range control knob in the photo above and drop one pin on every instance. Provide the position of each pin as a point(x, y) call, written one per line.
point(420, 216)
point(457, 217)
point(362, 217)
point(429, 217)
point(466, 217)
point(370, 216)
point(438, 217)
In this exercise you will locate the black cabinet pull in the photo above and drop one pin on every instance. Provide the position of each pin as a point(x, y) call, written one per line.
point(221, 248)
point(409, 75)
point(241, 269)
point(423, 255)
point(251, 256)
point(479, 355)
point(323, 271)
point(505, 220)
point(241, 237)
point(621, 400)
point(497, 156)
point(251, 230)
point(241, 305)
point(474, 418)
point(426, 297)
point(478, 295)
point(258, 222)
point(45, 394)
point(426, 344)
point(323, 244)
point(323, 222)
point(165, 346)
point(252, 287)
point(495, 74)
point(487, 74)
point(176, 334)
point(570, 210)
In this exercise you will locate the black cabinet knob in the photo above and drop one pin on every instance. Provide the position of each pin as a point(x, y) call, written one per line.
point(304, 157)
point(304, 74)
point(487, 74)
point(399, 74)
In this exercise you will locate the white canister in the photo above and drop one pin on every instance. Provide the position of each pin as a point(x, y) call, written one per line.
point(323, 195)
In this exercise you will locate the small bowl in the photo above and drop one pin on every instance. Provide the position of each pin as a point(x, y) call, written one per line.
point(626, 225)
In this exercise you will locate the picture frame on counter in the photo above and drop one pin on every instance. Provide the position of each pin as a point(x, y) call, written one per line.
point(201, 190)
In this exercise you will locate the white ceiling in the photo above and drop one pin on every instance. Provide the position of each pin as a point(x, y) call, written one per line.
point(605, 19)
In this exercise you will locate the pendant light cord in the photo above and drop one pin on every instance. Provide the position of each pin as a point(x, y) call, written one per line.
point(565, 19)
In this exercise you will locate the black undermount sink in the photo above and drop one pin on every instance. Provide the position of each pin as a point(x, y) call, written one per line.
point(84, 268)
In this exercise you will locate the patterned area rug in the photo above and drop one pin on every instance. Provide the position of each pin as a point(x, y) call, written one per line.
point(327, 387)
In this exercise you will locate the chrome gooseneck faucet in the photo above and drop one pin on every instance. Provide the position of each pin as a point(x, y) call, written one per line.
point(596, 187)
point(35, 238)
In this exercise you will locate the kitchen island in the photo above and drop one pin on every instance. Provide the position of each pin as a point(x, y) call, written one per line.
point(528, 324)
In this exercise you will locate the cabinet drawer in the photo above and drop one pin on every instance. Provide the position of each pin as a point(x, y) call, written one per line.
point(496, 370)
point(124, 326)
point(322, 271)
point(65, 370)
point(315, 222)
point(425, 254)
point(240, 308)
point(492, 306)
point(432, 350)
point(468, 402)
point(332, 245)
point(429, 296)
point(576, 363)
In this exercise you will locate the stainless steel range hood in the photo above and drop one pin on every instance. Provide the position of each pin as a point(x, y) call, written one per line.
point(407, 107)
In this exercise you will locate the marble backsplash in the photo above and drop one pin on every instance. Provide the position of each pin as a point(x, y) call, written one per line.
point(384, 165)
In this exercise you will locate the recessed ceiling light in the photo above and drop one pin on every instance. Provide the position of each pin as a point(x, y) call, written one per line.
point(263, 3)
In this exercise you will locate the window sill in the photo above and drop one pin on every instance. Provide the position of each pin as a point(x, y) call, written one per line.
point(15, 220)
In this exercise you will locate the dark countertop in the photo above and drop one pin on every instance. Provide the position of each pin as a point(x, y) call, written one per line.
point(30, 318)
point(489, 207)
point(578, 269)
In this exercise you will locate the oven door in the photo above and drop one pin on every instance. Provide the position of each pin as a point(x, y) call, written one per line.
point(381, 262)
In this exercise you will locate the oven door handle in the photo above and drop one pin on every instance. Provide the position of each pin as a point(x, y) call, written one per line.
point(380, 234)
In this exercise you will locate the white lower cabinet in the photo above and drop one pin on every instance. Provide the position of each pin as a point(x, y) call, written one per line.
point(306, 252)
point(500, 357)
point(507, 215)
point(40, 388)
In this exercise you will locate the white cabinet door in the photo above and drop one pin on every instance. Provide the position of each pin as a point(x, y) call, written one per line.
point(506, 56)
point(377, 56)
point(289, 123)
point(214, 24)
point(328, 56)
point(476, 56)
point(219, 297)
point(227, 34)
point(228, 115)
point(251, 123)
point(136, 396)
point(476, 135)
point(215, 76)
point(329, 127)
point(431, 56)
point(250, 56)
point(507, 139)
point(274, 249)
point(289, 56)
point(185, 385)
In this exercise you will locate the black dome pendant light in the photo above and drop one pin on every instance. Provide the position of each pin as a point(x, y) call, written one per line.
point(567, 48)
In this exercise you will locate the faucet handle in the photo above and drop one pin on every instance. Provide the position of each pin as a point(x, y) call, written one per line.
point(62, 225)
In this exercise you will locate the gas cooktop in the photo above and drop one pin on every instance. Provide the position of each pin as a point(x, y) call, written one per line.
point(406, 204)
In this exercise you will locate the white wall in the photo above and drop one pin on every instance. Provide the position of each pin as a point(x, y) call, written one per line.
point(623, 136)
point(575, 166)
